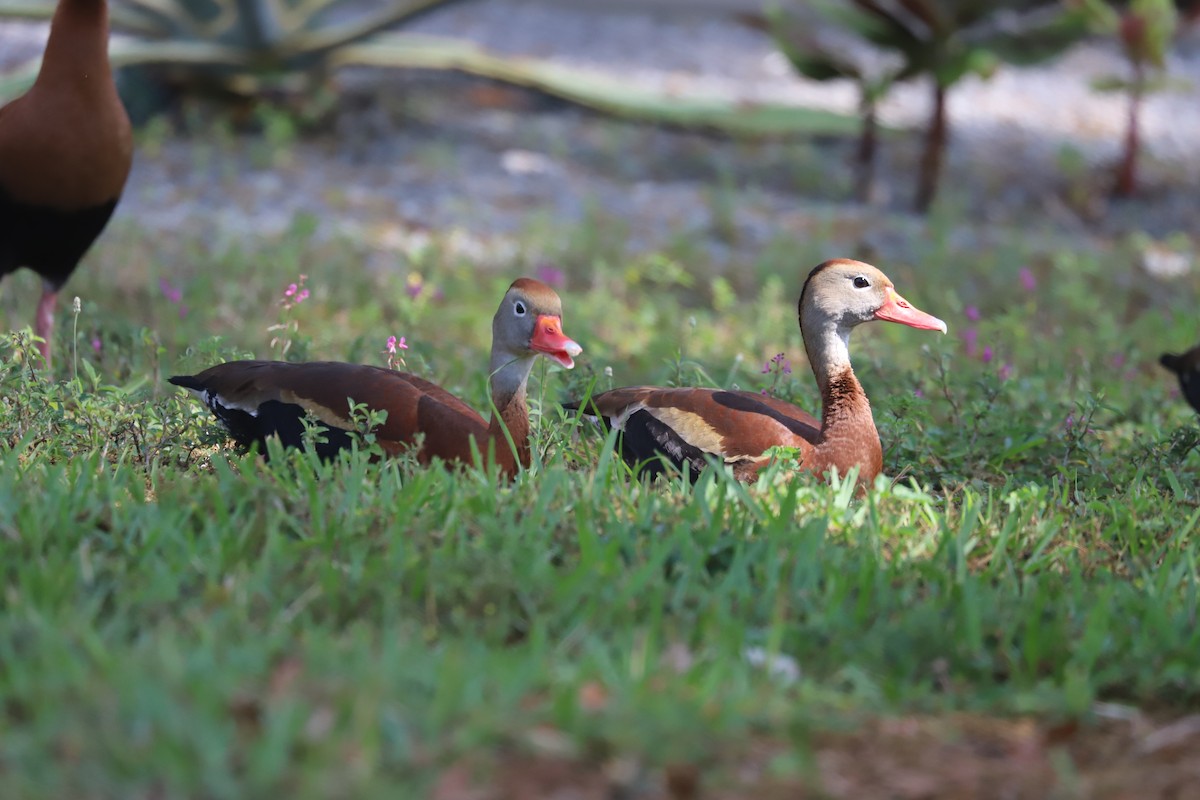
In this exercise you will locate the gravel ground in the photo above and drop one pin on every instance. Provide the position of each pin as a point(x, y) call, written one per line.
point(412, 154)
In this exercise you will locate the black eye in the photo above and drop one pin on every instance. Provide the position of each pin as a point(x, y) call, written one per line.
point(519, 308)
point(861, 283)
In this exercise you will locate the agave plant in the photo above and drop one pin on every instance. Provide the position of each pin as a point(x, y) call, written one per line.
point(240, 45)
point(945, 40)
point(248, 45)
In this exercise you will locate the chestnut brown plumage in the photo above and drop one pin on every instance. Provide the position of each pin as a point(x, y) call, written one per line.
point(65, 152)
point(685, 427)
point(257, 399)
point(1187, 367)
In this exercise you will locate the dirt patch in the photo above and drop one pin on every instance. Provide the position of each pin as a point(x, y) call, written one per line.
point(907, 758)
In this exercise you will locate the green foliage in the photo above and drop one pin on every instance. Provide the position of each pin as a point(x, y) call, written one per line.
point(879, 44)
point(1145, 30)
point(260, 49)
point(183, 619)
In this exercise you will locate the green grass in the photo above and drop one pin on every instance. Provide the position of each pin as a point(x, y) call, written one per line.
point(183, 620)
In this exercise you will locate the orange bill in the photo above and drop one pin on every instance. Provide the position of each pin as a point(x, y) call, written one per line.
point(549, 339)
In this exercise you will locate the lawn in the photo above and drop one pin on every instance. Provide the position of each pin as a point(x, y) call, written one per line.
point(1012, 613)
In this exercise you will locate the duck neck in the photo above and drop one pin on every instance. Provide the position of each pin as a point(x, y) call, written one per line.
point(843, 401)
point(77, 50)
point(509, 377)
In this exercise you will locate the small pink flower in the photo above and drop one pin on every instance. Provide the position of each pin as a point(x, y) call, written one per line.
point(550, 275)
point(987, 354)
point(971, 341)
point(917, 393)
point(294, 294)
point(393, 349)
point(1118, 360)
point(97, 345)
point(972, 313)
point(1005, 372)
point(1028, 282)
point(172, 294)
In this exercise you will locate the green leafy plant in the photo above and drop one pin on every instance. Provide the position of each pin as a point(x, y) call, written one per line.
point(943, 40)
point(823, 40)
point(1144, 28)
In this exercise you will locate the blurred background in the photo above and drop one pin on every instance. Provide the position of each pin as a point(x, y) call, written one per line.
point(389, 121)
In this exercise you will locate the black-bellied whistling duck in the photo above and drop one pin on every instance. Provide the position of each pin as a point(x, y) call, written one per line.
point(683, 426)
point(1187, 367)
point(65, 152)
point(257, 399)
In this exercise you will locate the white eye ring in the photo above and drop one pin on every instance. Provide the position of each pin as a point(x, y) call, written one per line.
point(519, 308)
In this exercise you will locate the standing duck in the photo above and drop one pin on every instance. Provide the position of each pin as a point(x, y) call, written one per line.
point(1187, 367)
point(683, 426)
point(257, 399)
point(65, 152)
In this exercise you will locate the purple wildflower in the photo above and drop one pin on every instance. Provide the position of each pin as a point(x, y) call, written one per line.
point(294, 294)
point(97, 345)
point(414, 285)
point(987, 354)
point(393, 349)
point(172, 294)
point(1005, 372)
point(550, 275)
point(972, 313)
point(971, 341)
point(917, 393)
point(1028, 282)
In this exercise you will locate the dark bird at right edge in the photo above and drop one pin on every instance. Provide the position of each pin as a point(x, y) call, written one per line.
point(65, 151)
point(1187, 367)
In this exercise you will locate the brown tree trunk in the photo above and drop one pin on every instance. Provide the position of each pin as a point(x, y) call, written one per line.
point(935, 147)
point(864, 158)
point(1127, 168)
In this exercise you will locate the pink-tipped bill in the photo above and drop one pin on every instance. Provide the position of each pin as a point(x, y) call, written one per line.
point(897, 309)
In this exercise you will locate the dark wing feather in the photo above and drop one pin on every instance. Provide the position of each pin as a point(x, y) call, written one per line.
point(683, 425)
point(277, 394)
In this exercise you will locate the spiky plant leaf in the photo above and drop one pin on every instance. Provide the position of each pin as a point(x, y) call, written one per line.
point(611, 96)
